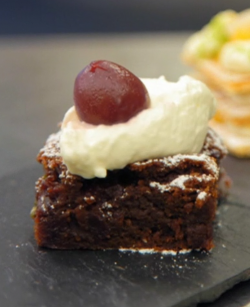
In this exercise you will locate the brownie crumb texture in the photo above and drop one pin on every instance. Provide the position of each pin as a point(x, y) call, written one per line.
point(165, 204)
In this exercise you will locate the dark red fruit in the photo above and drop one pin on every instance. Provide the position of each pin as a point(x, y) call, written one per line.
point(107, 93)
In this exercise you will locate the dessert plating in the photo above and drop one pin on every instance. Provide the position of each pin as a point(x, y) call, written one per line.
point(162, 202)
point(220, 55)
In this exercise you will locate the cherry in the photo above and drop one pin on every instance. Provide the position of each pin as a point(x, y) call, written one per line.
point(107, 93)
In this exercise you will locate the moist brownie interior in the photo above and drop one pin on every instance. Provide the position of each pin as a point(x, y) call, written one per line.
point(161, 204)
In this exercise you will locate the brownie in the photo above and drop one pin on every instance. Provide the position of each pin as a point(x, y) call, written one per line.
point(164, 204)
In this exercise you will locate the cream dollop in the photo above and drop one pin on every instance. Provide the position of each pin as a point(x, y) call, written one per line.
point(176, 122)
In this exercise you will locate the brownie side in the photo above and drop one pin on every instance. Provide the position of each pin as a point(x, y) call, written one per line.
point(162, 204)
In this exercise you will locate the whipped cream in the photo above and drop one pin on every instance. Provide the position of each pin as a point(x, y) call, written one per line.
point(175, 123)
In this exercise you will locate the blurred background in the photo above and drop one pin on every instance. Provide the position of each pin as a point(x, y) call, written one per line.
point(88, 16)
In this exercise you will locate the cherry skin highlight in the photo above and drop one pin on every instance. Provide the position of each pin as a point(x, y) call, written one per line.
point(107, 93)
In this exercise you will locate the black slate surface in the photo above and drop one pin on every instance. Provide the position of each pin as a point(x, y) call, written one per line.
point(38, 277)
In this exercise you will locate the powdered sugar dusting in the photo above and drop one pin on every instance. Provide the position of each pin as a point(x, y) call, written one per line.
point(174, 161)
point(162, 187)
point(214, 140)
point(202, 195)
point(208, 162)
point(153, 251)
point(89, 199)
point(107, 205)
point(124, 195)
point(180, 181)
point(52, 148)
point(104, 209)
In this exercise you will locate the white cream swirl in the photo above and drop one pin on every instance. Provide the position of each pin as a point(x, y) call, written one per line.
point(176, 122)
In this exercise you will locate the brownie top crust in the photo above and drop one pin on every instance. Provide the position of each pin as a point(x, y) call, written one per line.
point(184, 171)
point(212, 152)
